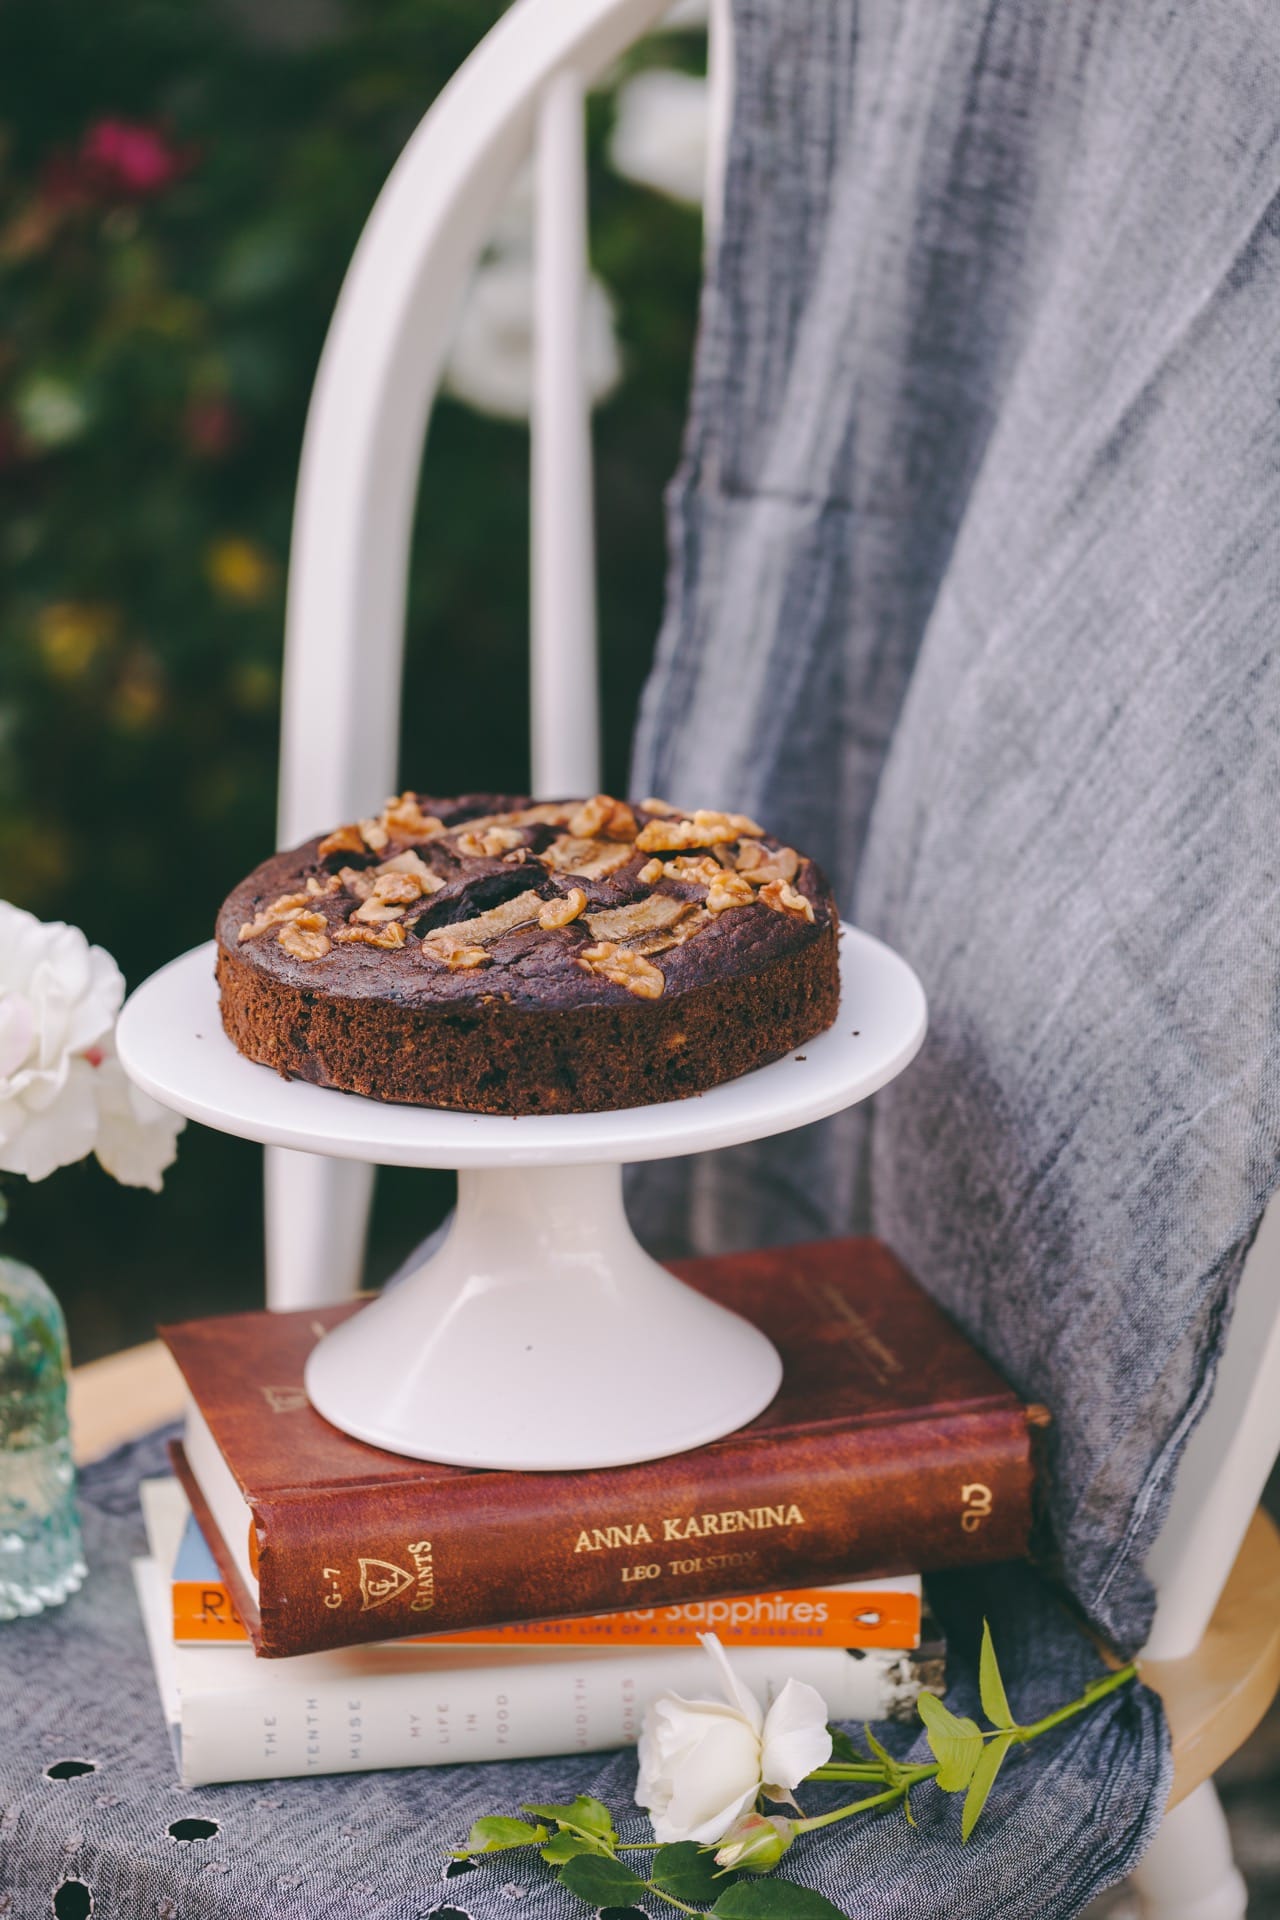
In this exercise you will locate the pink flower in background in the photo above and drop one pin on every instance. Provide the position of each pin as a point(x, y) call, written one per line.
point(117, 160)
point(211, 427)
point(129, 160)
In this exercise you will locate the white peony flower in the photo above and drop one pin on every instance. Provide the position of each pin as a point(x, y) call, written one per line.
point(58, 999)
point(62, 1091)
point(490, 364)
point(704, 1763)
point(659, 136)
point(137, 1137)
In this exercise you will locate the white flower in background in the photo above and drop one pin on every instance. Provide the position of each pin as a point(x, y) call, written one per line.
point(490, 364)
point(51, 412)
point(704, 1763)
point(685, 14)
point(513, 229)
point(63, 1093)
point(659, 136)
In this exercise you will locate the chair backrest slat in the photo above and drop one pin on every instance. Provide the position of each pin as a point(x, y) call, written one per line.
point(565, 719)
point(1227, 1460)
point(719, 114)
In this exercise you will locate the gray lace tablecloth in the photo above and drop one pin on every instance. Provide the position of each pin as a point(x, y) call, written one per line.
point(124, 1842)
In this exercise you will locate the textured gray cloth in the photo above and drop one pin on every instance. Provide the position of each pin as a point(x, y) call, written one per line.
point(76, 1685)
point(973, 595)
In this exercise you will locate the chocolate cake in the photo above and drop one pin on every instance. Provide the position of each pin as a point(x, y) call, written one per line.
point(497, 956)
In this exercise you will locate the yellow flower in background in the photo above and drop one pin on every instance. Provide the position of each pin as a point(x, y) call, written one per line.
point(139, 696)
point(255, 686)
point(36, 859)
point(240, 570)
point(72, 633)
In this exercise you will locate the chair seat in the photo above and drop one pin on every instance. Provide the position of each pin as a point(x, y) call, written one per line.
point(1214, 1698)
point(114, 1399)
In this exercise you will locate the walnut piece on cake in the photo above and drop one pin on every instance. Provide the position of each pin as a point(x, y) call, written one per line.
point(624, 968)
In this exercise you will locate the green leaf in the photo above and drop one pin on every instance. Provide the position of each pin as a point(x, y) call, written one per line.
point(995, 1702)
point(686, 1871)
point(957, 1744)
point(842, 1747)
point(893, 1769)
point(565, 1845)
point(984, 1778)
point(602, 1880)
point(773, 1900)
point(593, 1817)
point(495, 1832)
point(882, 1754)
point(584, 1814)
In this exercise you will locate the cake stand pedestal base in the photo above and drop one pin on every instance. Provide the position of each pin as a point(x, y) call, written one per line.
point(542, 1336)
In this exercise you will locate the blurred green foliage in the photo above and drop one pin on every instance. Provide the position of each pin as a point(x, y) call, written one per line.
point(180, 193)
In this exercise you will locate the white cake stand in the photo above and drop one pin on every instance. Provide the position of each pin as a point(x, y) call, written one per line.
point(541, 1335)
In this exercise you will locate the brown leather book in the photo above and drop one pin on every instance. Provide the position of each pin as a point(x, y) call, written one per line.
point(892, 1446)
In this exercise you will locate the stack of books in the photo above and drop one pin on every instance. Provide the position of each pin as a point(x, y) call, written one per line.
point(316, 1605)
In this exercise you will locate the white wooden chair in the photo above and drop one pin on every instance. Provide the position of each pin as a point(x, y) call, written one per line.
point(521, 91)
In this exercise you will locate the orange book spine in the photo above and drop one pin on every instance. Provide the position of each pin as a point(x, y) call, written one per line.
point(804, 1616)
point(204, 1610)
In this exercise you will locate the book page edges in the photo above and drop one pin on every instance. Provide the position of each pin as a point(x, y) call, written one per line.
point(245, 1597)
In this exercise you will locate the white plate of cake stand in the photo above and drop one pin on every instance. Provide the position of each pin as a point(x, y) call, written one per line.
point(540, 1336)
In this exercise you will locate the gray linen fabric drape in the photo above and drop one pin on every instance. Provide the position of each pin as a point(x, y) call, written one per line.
point(973, 595)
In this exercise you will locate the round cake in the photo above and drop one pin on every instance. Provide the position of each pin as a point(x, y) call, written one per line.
point(496, 956)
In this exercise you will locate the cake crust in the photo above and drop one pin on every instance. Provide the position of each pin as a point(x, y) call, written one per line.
point(489, 955)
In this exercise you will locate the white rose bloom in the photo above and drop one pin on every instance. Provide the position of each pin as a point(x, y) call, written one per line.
point(137, 1137)
point(58, 999)
point(703, 1763)
point(659, 136)
point(490, 364)
point(62, 1091)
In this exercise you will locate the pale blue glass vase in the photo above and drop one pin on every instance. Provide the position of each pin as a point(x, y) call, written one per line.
point(41, 1553)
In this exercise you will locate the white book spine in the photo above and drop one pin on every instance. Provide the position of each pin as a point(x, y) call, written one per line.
point(363, 1708)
